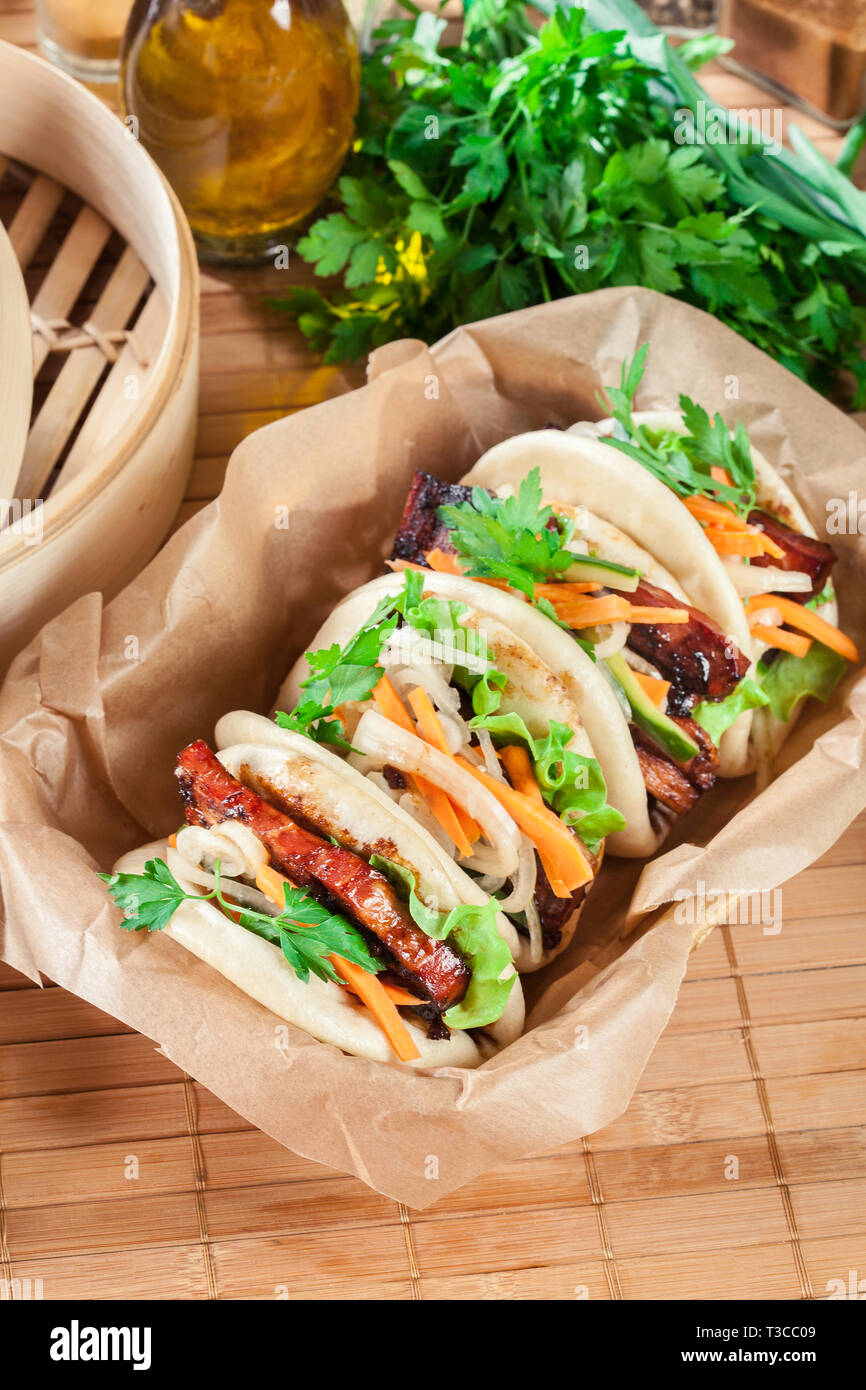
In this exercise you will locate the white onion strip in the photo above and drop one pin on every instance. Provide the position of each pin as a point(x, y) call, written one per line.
point(488, 752)
point(766, 617)
point(523, 884)
point(236, 892)
point(536, 943)
point(614, 642)
point(749, 580)
point(392, 746)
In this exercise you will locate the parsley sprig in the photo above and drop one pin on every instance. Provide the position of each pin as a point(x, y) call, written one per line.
point(683, 462)
point(351, 672)
point(524, 165)
point(306, 932)
point(518, 539)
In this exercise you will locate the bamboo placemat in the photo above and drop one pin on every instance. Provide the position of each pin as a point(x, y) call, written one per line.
point(738, 1171)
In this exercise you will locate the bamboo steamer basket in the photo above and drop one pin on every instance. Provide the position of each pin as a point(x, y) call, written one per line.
point(16, 374)
point(113, 286)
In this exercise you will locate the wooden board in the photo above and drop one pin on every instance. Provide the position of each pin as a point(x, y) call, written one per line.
point(738, 1171)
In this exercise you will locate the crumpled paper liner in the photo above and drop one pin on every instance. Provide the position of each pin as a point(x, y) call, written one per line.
point(94, 711)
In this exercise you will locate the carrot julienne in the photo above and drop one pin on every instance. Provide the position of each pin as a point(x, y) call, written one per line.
point(430, 729)
point(806, 620)
point(441, 807)
point(563, 860)
point(515, 760)
point(654, 686)
point(728, 533)
point(586, 611)
point(793, 642)
point(368, 988)
point(443, 562)
point(714, 513)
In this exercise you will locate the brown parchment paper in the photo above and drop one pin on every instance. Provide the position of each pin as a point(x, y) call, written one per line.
point(94, 711)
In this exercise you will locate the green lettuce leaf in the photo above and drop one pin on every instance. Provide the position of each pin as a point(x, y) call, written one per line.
point(792, 678)
point(477, 938)
point(715, 716)
point(571, 784)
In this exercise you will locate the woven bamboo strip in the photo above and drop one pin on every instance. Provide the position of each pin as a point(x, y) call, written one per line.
point(97, 1172)
point(116, 404)
point(130, 1223)
point(33, 217)
point(66, 277)
point(79, 375)
point(81, 1064)
point(16, 381)
point(765, 1272)
point(160, 1273)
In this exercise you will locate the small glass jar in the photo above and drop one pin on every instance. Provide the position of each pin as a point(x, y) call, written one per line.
point(248, 106)
point(81, 37)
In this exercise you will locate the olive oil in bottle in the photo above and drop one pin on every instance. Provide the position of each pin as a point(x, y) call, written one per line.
point(248, 107)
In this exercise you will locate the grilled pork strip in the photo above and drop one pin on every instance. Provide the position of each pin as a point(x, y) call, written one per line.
point(213, 795)
point(696, 657)
point(814, 558)
point(677, 785)
point(420, 529)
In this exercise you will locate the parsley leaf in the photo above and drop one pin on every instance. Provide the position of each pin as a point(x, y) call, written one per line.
point(147, 900)
point(306, 932)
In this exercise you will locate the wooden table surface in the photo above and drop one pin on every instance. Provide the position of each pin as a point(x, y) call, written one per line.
point(738, 1171)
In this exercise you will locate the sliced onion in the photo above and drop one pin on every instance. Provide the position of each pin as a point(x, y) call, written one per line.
point(407, 647)
point(491, 883)
point(435, 679)
point(614, 642)
point(488, 752)
point(231, 888)
point(523, 882)
point(200, 847)
point(766, 579)
point(484, 860)
point(248, 843)
point(766, 617)
point(536, 942)
point(388, 744)
point(418, 809)
point(640, 663)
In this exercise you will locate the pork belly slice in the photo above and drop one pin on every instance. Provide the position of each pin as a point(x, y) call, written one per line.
point(338, 876)
point(804, 553)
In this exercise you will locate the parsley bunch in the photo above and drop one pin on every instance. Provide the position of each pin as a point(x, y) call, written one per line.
point(525, 165)
point(306, 933)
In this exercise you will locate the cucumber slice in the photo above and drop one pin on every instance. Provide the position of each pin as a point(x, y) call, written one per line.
point(590, 569)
